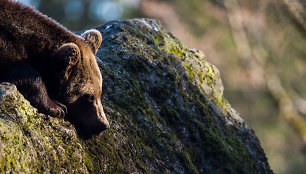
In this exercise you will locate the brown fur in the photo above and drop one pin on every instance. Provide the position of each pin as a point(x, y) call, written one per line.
point(51, 66)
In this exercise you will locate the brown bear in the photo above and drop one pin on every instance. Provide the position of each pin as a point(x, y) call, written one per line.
point(53, 68)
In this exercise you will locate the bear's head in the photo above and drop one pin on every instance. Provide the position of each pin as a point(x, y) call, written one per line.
point(80, 83)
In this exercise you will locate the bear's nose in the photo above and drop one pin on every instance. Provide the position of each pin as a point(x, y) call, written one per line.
point(107, 126)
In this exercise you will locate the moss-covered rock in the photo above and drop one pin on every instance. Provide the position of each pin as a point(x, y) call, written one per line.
point(34, 143)
point(165, 105)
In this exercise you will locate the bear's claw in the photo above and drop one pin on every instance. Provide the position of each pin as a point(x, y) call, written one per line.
point(64, 108)
point(58, 110)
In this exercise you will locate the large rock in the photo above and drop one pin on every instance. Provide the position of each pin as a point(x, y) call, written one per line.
point(166, 108)
point(33, 143)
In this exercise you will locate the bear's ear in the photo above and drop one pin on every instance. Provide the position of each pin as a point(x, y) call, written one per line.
point(66, 57)
point(93, 38)
point(68, 54)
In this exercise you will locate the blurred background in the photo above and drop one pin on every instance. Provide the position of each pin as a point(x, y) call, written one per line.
point(258, 46)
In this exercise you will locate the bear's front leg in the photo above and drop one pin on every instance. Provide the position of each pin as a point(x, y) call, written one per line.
point(30, 84)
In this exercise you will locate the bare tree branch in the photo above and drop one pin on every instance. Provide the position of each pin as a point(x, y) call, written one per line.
point(297, 11)
point(254, 57)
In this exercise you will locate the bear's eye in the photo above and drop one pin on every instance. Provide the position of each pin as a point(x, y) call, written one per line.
point(89, 98)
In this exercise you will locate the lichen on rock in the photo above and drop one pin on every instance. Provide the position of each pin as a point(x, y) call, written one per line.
point(166, 108)
point(35, 143)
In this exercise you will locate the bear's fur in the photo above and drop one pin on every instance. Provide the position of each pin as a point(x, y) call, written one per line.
point(53, 68)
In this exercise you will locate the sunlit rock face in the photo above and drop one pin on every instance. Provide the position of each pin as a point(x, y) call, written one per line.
point(165, 105)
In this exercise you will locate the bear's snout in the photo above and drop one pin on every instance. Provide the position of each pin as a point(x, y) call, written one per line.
point(96, 119)
point(103, 118)
point(89, 118)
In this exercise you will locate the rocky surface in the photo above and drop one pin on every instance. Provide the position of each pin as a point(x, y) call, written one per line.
point(31, 142)
point(166, 108)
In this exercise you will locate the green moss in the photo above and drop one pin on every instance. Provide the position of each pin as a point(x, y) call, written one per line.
point(173, 46)
point(169, 114)
point(209, 75)
point(169, 44)
point(33, 142)
point(190, 71)
point(226, 148)
point(142, 166)
point(201, 76)
point(185, 159)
